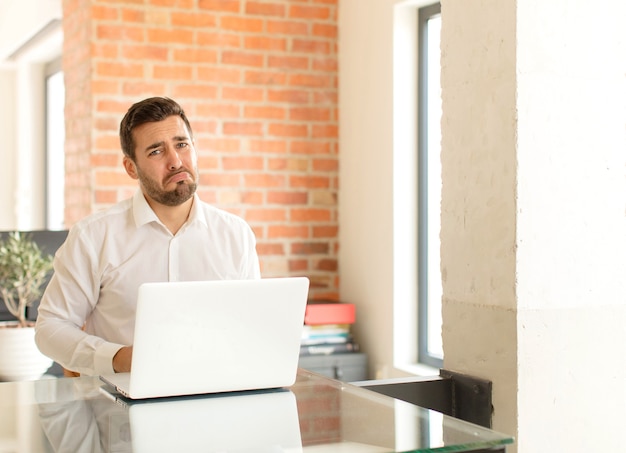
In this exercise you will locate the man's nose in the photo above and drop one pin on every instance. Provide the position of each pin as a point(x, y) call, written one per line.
point(173, 159)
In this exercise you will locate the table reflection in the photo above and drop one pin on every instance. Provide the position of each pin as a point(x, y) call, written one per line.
point(265, 421)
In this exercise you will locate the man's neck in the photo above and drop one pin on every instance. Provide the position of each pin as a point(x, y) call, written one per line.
point(173, 217)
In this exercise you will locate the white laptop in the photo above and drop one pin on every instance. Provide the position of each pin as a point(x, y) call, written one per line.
point(214, 336)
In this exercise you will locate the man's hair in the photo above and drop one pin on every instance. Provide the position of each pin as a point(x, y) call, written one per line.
point(148, 111)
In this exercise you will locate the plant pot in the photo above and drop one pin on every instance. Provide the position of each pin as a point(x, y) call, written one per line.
point(20, 359)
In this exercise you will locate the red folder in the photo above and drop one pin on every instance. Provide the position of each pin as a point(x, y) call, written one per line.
point(329, 313)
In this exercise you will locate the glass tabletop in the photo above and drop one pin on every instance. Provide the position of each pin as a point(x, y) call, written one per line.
point(316, 415)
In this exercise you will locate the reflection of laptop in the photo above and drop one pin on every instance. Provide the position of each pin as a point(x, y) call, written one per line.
point(214, 336)
point(264, 421)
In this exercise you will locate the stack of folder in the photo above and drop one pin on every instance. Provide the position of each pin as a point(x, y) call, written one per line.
point(327, 328)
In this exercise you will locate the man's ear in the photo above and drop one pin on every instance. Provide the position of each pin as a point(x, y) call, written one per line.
point(130, 167)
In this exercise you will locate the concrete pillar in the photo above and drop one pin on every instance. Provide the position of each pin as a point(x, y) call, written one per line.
point(534, 214)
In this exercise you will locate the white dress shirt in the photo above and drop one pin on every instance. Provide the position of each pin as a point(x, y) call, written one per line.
point(87, 312)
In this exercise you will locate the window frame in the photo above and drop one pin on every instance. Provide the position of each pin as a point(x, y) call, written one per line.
point(424, 355)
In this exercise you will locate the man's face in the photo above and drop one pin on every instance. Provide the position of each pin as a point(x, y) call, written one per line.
point(166, 163)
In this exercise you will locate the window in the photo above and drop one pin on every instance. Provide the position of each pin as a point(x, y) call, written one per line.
point(430, 348)
point(55, 154)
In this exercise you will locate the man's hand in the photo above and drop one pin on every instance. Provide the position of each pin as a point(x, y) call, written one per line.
point(122, 359)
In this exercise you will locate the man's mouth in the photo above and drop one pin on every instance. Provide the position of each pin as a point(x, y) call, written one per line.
point(179, 177)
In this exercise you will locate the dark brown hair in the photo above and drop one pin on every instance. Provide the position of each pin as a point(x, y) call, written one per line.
point(148, 111)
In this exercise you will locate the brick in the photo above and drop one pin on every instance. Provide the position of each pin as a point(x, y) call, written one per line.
point(310, 215)
point(265, 77)
point(287, 231)
point(242, 58)
point(323, 197)
point(219, 179)
point(241, 24)
point(105, 50)
point(325, 30)
point(120, 70)
point(309, 80)
point(266, 215)
point(176, 72)
point(287, 198)
point(289, 164)
point(111, 178)
point(326, 264)
point(288, 96)
point(120, 33)
point(100, 160)
point(259, 42)
point(287, 27)
point(143, 52)
point(231, 6)
point(243, 128)
point(157, 17)
point(197, 90)
point(309, 12)
point(243, 94)
point(133, 15)
point(195, 55)
point(270, 248)
point(161, 35)
point(218, 39)
point(288, 62)
point(268, 146)
point(105, 87)
point(193, 19)
point(325, 64)
point(298, 265)
point(313, 182)
point(252, 198)
point(105, 196)
point(223, 144)
point(288, 130)
point(265, 9)
point(214, 110)
point(325, 131)
point(326, 165)
point(311, 46)
point(309, 248)
point(325, 231)
point(266, 112)
point(142, 89)
point(309, 147)
point(106, 142)
point(108, 105)
point(218, 74)
point(309, 114)
point(264, 180)
point(104, 13)
point(243, 163)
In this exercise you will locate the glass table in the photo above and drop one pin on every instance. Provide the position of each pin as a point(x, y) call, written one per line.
point(315, 415)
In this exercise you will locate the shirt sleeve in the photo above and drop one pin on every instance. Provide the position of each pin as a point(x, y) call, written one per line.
point(252, 268)
point(65, 306)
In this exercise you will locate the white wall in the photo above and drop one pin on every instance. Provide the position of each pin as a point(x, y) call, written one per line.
point(22, 177)
point(8, 150)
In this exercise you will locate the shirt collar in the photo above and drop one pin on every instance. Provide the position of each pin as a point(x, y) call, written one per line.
point(143, 213)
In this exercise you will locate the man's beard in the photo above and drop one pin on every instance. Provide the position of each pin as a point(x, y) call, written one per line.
point(183, 191)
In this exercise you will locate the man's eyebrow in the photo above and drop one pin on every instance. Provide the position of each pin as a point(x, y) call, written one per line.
point(154, 146)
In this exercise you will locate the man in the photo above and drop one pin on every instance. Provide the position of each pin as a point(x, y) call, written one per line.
point(163, 233)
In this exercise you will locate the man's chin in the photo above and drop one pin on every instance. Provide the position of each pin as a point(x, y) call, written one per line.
point(182, 193)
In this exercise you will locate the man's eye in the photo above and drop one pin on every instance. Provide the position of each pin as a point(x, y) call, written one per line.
point(182, 145)
point(154, 152)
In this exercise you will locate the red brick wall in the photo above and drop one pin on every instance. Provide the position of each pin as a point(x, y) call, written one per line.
point(258, 80)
